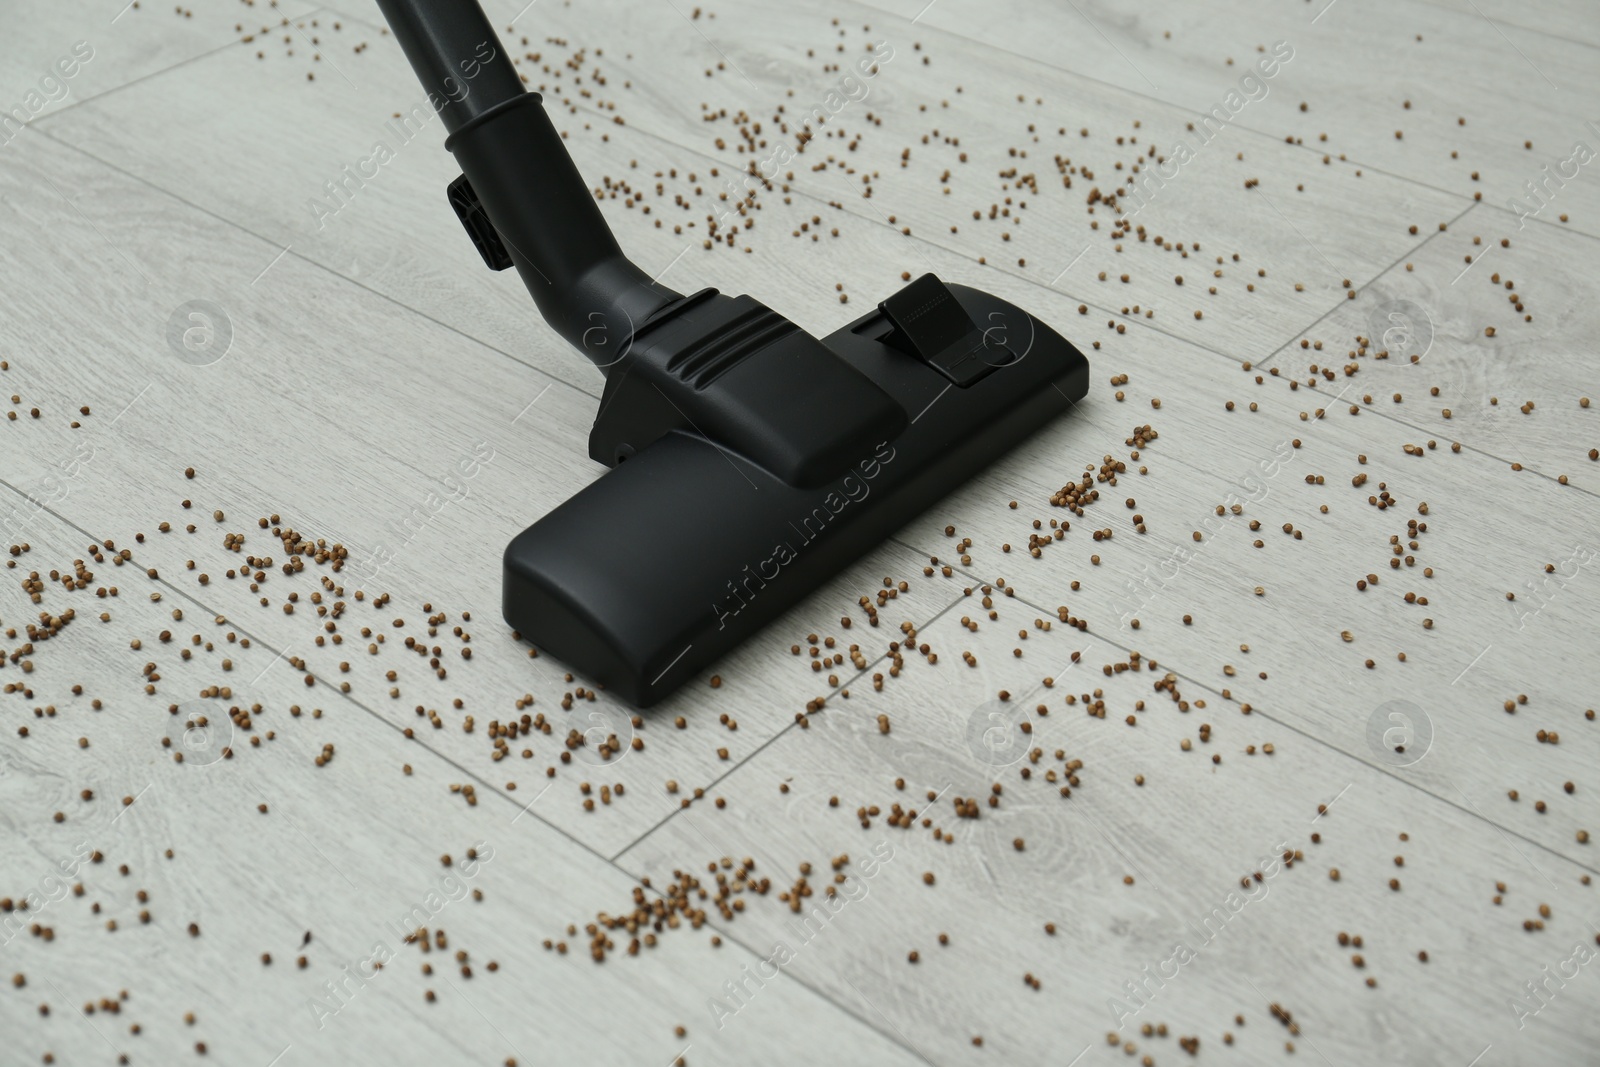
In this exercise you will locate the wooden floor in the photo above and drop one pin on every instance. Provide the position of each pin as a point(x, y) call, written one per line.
point(270, 425)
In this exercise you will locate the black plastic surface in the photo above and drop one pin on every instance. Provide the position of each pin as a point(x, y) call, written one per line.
point(750, 461)
point(930, 323)
point(552, 229)
point(476, 222)
point(736, 372)
point(666, 562)
point(456, 56)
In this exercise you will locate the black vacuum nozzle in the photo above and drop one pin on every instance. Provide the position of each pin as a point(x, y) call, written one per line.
point(750, 460)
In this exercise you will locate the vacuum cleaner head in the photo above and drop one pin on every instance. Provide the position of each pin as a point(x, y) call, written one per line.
point(750, 460)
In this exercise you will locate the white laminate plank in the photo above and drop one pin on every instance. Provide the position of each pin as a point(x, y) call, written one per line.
point(939, 146)
point(1454, 305)
point(1480, 105)
point(1481, 649)
point(1569, 20)
point(1301, 230)
point(344, 863)
point(348, 419)
point(1140, 858)
point(59, 55)
point(367, 357)
point(1179, 495)
point(306, 174)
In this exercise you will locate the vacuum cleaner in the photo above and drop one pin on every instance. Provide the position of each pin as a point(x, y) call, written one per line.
point(749, 460)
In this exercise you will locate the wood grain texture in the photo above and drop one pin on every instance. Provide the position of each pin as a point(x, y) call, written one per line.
point(333, 375)
point(1185, 837)
point(1461, 669)
point(347, 860)
point(366, 355)
point(663, 57)
point(1454, 306)
point(118, 42)
point(1567, 21)
point(1414, 70)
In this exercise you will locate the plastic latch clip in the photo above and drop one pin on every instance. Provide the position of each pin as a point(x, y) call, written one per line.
point(930, 323)
point(485, 238)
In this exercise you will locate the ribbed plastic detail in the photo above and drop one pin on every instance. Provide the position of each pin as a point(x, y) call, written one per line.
point(722, 349)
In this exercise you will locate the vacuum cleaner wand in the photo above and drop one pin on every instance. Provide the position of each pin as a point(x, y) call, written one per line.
point(521, 198)
point(750, 460)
